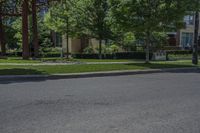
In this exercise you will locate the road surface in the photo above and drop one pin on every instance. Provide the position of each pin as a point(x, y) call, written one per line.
point(149, 103)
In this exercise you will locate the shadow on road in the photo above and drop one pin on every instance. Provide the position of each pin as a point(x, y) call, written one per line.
point(161, 67)
point(20, 71)
point(21, 80)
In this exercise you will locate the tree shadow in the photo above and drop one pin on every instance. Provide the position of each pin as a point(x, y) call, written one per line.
point(39, 78)
point(168, 67)
point(23, 75)
point(159, 65)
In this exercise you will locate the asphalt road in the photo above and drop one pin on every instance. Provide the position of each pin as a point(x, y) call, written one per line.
point(151, 103)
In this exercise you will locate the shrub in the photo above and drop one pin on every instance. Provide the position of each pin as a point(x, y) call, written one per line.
point(114, 49)
point(50, 52)
point(179, 52)
point(88, 50)
point(132, 55)
point(14, 53)
point(118, 55)
point(85, 56)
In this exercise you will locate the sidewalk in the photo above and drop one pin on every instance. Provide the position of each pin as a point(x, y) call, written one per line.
point(98, 74)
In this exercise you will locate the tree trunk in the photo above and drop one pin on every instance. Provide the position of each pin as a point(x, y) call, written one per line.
point(53, 38)
point(35, 30)
point(67, 56)
point(25, 40)
point(195, 46)
point(67, 37)
point(147, 49)
point(2, 36)
point(100, 49)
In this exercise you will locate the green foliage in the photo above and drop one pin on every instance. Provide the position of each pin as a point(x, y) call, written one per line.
point(117, 55)
point(106, 49)
point(129, 43)
point(122, 21)
point(17, 28)
point(50, 52)
point(159, 40)
point(146, 17)
point(43, 33)
point(114, 49)
point(179, 52)
point(61, 17)
point(88, 50)
point(94, 18)
point(10, 39)
point(46, 45)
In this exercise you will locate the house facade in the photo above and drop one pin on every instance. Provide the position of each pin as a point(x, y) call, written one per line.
point(77, 45)
point(183, 38)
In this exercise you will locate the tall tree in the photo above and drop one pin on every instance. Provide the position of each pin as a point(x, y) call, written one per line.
point(8, 8)
point(60, 19)
point(35, 29)
point(25, 39)
point(94, 17)
point(148, 16)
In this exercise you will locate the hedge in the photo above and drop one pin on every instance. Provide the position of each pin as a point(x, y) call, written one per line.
point(179, 52)
point(51, 54)
point(13, 54)
point(119, 55)
point(47, 54)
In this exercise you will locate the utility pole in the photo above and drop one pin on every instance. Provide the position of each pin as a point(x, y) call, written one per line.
point(196, 37)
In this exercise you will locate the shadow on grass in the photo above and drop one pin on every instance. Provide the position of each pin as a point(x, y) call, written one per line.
point(168, 66)
point(160, 65)
point(20, 71)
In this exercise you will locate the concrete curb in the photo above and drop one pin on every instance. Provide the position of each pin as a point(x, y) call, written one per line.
point(96, 74)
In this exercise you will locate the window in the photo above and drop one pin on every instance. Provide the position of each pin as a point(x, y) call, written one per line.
point(186, 39)
point(189, 20)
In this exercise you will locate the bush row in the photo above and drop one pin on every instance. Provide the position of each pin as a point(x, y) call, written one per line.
point(14, 54)
point(51, 54)
point(119, 55)
point(47, 54)
point(179, 52)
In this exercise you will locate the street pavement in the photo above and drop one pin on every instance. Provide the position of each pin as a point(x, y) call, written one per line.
point(146, 103)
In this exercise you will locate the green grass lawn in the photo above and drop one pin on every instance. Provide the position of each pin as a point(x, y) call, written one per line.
point(57, 59)
point(105, 60)
point(18, 60)
point(60, 69)
point(180, 57)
